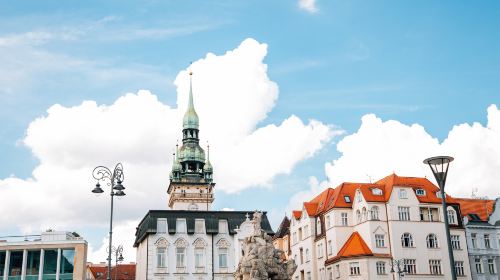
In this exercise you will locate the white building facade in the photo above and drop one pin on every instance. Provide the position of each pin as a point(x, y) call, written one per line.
point(357, 230)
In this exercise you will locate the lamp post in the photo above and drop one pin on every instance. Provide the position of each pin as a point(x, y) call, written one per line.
point(118, 252)
point(439, 166)
point(114, 181)
point(398, 266)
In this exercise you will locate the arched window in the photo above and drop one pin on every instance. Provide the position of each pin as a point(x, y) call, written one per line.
point(180, 252)
point(199, 254)
point(364, 214)
point(358, 216)
point(223, 248)
point(374, 213)
point(318, 226)
point(161, 253)
point(407, 240)
point(432, 241)
point(452, 218)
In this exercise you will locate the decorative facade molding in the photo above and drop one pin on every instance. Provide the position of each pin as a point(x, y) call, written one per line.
point(199, 243)
point(181, 243)
point(223, 243)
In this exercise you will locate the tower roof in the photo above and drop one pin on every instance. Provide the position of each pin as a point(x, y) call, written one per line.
point(190, 120)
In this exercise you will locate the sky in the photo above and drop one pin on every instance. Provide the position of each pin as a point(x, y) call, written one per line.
point(293, 97)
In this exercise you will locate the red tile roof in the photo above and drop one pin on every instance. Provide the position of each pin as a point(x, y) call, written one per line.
point(335, 198)
point(120, 272)
point(481, 207)
point(355, 247)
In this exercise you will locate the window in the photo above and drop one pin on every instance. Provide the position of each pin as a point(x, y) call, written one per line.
point(181, 226)
point(199, 257)
point(67, 263)
point(300, 234)
point(32, 265)
point(376, 191)
point(358, 196)
point(347, 199)
point(49, 264)
point(379, 240)
point(180, 257)
point(420, 192)
point(374, 213)
point(479, 265)
point(330, 248)
point(344, 219)
point(403, 194)
point(364, 214)
point(161, 257)
point(223, 226)
point(455, 242)
point(308, 275)
point(487, 243)
point(438, 194)
point(337, 271)
point(451, 217)
point(435, 267)
point(161, 226)
point(473, 239)
point(491, 266)
point(294, 237)
point(404, 213)
point(320, 250)
point(328, 224)
point(2, 262)
point(301, 255)
point(429, 214)
point(222, 257)
point(354, 268)
point(318, 226)
point(199, 226)
point(329, 273)
point(381, 268)
point(307, 255)
point(459, 268)
point(407, 240)
point(306, 231)
point(432, 241)
point(410, 265)
point(358, 216)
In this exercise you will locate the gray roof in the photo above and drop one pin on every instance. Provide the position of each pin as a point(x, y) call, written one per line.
point(233, 218)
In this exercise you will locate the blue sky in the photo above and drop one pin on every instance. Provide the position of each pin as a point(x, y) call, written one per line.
point(435, 63)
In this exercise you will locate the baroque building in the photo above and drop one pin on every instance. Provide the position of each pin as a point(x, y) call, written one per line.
point(189, 240)
point(356, 231)
point(482, 226)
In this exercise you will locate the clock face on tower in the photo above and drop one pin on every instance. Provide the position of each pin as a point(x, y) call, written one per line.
point(193, 206)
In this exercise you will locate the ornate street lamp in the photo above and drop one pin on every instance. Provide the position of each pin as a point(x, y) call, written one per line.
point(114, 181)
point(439, 166)
point(118, 253)
point(398, 266)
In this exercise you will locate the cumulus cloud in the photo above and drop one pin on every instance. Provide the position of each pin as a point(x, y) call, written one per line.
point(380, 148)
point(308, 5)
point(233, 94)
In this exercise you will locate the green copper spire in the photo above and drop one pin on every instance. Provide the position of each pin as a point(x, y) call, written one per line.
point(190, 120)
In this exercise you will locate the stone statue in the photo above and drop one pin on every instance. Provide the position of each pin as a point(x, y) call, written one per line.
point(261, 261)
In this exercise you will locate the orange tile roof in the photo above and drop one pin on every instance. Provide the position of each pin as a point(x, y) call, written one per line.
point(120, 272)
point(297, 214)
point(354, 246)
point(481, 207)
point(335, 198)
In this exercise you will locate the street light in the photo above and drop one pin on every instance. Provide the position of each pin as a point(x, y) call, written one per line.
point(398, 266)
point(439, 166)
point(114, 181)
point(118, 252)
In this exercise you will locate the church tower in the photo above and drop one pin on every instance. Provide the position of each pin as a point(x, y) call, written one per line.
point(191, 186)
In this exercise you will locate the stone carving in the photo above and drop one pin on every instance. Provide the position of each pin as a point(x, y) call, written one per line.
point(261, 261)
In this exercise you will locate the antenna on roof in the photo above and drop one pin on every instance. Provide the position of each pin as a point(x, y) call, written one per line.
point(369, 178)
point(474, 193)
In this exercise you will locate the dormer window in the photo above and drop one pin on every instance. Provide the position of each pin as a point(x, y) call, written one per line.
point(420, 192)
point(347, 199)
point(376, 191)
point(403, 194)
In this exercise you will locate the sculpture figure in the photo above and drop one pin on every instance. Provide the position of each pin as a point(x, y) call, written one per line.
point(261, 261)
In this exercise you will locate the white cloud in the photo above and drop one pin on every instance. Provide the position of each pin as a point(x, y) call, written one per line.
point(308, 5)
point(233, 94)
point(380, 148)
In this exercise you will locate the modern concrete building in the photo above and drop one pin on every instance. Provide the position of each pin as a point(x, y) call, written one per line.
point(189, 241)
point(482, 225)
point(53, 255)
point(356, 230)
